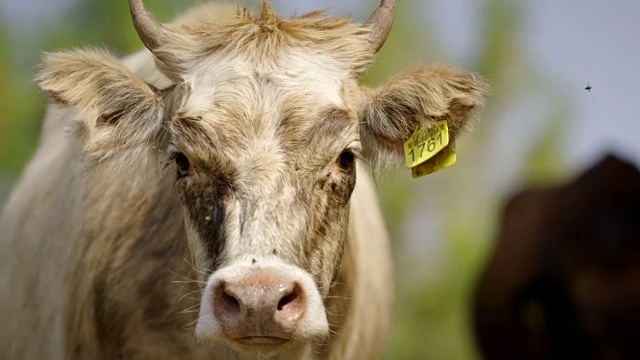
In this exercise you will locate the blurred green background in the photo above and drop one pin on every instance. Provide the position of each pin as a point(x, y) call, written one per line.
point(442, 225)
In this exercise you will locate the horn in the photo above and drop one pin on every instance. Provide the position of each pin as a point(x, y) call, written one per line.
point(380, 23)
point(152, 33)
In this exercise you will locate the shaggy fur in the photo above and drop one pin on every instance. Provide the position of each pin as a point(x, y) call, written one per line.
point(262, 110)
point(424, 94)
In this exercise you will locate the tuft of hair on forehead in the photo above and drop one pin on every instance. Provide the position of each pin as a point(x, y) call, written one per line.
point(262, 35)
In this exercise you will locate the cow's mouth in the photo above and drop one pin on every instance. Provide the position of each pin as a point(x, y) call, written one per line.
point(262, 341)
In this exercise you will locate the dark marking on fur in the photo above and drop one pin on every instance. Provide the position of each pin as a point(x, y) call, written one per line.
point(325, 243)
point(110, 119)
point(100, 303)
point(204, 202)
point(322, 229)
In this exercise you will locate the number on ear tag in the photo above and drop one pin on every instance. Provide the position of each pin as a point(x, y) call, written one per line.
point(443, 159)
point(425, 143)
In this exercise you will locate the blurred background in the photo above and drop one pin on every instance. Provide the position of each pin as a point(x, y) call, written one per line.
point(541, 125)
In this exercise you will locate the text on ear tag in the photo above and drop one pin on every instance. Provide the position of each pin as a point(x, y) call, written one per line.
point(443, 159)
point(425, 143)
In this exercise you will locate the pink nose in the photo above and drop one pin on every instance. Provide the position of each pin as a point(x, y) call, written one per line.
point(260, 308)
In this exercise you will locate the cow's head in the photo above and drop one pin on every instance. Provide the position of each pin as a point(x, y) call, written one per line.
point(264, 123)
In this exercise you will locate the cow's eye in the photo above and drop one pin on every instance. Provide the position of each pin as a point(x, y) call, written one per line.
point(346, 160)
point(182, 164)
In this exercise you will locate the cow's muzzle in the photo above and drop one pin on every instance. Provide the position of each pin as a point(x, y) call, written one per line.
point(261, 306)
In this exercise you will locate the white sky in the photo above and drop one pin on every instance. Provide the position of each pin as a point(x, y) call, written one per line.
point(594, 41)
point(574, 42)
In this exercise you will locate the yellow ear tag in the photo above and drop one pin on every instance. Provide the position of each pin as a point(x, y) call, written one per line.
point(424, 145)
point(443, 159)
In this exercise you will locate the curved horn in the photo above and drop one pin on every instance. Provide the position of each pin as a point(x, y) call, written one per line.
point(150, 31)
point(380, 23)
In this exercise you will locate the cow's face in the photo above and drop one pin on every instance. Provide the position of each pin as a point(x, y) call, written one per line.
point(265, 165)
point(264, 125)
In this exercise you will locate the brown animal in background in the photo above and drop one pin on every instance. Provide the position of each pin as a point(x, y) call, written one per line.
point(199, 200)
point(564, 279)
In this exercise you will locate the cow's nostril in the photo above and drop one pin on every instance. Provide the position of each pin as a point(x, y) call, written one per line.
point(286, 300)
point(228, 303)
point(292, 300)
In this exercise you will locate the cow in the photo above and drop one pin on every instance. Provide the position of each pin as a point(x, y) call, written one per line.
point(563, 281)
point(198, 199)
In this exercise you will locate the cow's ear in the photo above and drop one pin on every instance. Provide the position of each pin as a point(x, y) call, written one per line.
point(117, 108)
point(423, 94)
